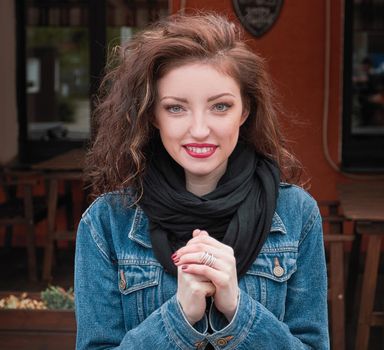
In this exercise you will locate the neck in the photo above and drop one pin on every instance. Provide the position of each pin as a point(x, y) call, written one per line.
point(200, 188)
point(202, 185)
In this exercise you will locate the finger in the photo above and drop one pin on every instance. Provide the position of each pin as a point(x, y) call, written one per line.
point(204, 288)
point(209, 289)
point(218, 278)
point(203, 233)
point(219, 252)
point(201, 249)
point(196, 232)
point(199, 232)
point(206, 239)
point(187, 277)
point(197, 258)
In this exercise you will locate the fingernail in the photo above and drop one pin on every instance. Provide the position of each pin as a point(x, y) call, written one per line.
point(184, 267)
point(175, 261)
point(173, 256)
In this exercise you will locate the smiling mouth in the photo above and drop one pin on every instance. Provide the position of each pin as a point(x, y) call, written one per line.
point(200, 151)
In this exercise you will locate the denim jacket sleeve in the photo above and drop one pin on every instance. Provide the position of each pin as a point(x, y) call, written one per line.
point(99, 314)
point(305, 324)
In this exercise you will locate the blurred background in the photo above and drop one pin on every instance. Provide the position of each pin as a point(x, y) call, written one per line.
point(326, 59)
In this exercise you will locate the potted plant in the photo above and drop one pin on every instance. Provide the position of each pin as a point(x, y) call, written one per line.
point(38, 321)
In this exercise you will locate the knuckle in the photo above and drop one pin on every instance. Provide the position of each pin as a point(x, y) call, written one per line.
point(195, 289)
point(225, 280)
point(227, 270)
point(192, 241)
point(200, 247)
point(232, 260)
point(193, 286)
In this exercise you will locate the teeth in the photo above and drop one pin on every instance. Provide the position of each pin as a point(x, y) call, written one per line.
point(200, 149)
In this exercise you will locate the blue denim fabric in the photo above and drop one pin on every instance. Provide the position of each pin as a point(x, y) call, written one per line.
point(125, 300)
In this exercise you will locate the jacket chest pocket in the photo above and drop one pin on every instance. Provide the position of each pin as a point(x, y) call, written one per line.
point(140, 288)
point(266, 280)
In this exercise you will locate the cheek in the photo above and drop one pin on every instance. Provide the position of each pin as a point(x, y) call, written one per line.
point(167, 133)
point(170, 137)
point(173, 130)
point(229, 131)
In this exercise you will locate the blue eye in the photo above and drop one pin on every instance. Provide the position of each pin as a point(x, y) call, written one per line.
point(174, 108)
point(221, 107)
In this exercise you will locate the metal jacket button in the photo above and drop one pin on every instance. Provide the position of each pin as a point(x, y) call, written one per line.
point(278, 271)
point(224, 341)
point(200, 345)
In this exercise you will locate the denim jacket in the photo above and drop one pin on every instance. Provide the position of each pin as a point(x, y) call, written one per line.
point(125, 300)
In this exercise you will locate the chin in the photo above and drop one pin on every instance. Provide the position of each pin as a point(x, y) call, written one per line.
point(199, 173)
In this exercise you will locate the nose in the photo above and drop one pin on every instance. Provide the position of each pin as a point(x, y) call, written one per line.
point(199, 128)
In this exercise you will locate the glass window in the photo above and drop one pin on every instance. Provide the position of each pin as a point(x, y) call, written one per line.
point(363, 104)
point(125, 18)
point(57, 70)
point(62, 52)
point(368, 67)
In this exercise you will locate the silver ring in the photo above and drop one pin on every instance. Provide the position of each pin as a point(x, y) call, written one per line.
point(208, 259)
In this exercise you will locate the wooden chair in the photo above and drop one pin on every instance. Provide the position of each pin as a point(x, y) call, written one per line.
point(24, 210)
point(54, 201)
point(334, 244)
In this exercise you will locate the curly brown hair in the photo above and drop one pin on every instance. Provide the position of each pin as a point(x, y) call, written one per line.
point(125, 113)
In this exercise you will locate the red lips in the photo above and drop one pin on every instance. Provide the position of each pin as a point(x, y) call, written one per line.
point(200, 150)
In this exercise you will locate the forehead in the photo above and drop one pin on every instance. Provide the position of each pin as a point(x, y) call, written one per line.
point(198, 77)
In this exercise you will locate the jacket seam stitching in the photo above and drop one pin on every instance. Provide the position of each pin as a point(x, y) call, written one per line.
point(95, 238)
point(309, 224)
point(172, 334)
point(245, 332)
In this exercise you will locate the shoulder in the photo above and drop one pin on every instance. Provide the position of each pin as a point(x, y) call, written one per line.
point(293, 195)
point(111, 203)
point(111, 211)
point(110, 219)
point(297, 209)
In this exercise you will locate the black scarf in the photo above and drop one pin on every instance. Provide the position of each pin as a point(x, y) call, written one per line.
point(238, 212)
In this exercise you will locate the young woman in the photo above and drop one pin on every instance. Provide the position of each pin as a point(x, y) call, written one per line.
point(193, 242)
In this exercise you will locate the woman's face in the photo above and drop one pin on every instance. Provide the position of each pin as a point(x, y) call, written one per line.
point(199, 112)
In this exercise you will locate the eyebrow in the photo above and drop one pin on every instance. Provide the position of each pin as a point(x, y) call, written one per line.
point(175, 98)
point(212, 98)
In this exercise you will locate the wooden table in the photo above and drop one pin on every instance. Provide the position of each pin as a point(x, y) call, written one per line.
point(363, 202)
point(64, 167)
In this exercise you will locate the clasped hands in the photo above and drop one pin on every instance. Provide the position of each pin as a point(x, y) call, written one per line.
point(196, 281)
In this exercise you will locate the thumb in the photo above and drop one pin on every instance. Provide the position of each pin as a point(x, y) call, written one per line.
point(196, 233)
point(199, 232)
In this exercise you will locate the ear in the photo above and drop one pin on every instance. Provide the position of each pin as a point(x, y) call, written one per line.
point(244, 115)
point(154, 122)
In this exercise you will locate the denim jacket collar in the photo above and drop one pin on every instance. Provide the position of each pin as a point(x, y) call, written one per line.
point(277, 224)
point(142, 237)
point(135, 234)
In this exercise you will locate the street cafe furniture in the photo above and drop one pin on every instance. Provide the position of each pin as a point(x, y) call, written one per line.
point(363, 202)
point(335, 240)
point(19, 211)
point(66, 167)
point(25, 209)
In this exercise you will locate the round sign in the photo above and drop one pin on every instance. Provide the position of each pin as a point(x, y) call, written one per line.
point(257, 16)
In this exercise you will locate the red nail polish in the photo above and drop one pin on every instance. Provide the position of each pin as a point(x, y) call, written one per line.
point(175, 261)
point(184, 267)
point(173, 256)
